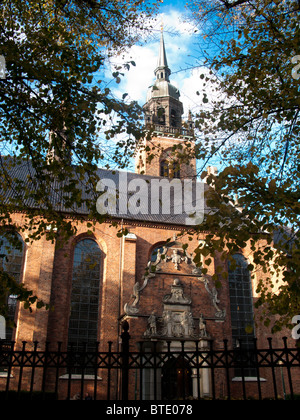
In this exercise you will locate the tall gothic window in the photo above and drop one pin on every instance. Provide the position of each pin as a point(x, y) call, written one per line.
point(241, 306)
point(83, 323)
point(11, 261)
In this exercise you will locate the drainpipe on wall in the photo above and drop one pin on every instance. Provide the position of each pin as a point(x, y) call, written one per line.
point(119, 306)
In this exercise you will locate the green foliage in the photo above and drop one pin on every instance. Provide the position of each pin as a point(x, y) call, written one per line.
point(9, 286)
point(55, 54)
point(55, 104)
point(252, 130)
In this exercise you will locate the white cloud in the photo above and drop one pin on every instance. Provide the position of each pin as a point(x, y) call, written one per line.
point(136, 81)
point(178, 38)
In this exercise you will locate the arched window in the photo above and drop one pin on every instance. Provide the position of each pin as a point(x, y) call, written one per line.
point(241, 305)
point(83, 323)
point(161, 116)
point(11, 261)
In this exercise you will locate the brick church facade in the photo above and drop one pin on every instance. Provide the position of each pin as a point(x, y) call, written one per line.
point(96, 282)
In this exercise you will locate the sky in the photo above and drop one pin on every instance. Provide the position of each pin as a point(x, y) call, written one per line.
point(181, 49)
point(182, 40)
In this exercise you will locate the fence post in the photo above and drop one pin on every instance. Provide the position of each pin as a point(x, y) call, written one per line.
point(125, 360)
point(288, 367)
point(271, 352)
point(109, 370)
point(211, 351)
point(226, 352)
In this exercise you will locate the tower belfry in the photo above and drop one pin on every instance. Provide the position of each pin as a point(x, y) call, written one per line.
point(163, 117)
point(163, 106)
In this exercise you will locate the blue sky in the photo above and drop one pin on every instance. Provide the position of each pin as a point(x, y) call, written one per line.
point(181, 46)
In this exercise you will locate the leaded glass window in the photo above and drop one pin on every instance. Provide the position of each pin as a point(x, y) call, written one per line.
point(11, 261)
point(83, 323)
point(241, 306)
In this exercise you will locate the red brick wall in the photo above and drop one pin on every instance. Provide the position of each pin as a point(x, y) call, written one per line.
point(48, 272)
point(159, 147)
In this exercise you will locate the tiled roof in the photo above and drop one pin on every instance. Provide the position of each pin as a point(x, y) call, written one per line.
point(23, 173)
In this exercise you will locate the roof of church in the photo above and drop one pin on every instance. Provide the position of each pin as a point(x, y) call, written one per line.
point(127, 185)
point(167, 207)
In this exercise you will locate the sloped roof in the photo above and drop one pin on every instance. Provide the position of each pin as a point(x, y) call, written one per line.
point(129, 187)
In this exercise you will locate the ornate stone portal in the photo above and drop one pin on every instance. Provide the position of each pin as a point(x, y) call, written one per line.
point(174, 254)
point(177, 319)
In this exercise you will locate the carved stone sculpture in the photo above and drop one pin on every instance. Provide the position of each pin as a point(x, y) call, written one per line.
point(202, 327)
point(152, 327)
point(170, 252)
point(176, 296)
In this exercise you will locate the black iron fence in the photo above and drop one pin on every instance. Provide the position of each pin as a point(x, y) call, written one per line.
point(155, 371)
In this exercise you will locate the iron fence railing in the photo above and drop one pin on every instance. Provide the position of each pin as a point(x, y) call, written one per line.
point(193, 370)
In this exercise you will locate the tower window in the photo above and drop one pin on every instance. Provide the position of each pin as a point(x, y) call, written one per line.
point(169, 170)
point(164, 168)
point(173, 118)
point(176, 170)
point(161, 116)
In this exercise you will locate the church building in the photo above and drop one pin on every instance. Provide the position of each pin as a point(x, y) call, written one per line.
point(147, 278)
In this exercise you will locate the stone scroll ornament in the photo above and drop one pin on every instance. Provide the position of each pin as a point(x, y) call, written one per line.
point(176, 258)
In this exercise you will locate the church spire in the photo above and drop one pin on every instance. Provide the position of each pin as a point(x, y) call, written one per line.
point(162, 71)
point(163, 107)
point(163, 117)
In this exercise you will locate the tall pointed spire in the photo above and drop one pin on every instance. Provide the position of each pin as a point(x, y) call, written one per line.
point(162, 71)
point(163, 118)
point(163, 106)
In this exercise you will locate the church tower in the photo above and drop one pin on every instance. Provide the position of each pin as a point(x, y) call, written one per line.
point(169, 151)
